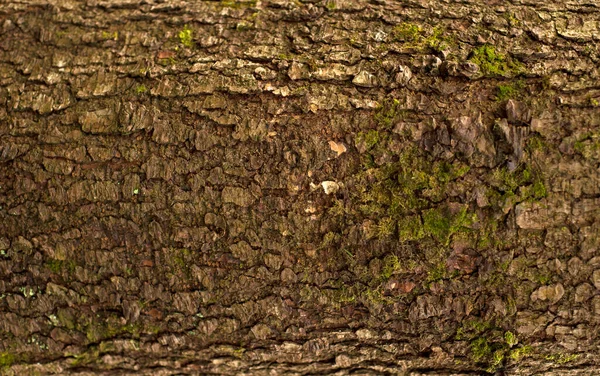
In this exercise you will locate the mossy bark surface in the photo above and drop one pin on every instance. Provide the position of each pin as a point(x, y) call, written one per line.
point(299, 187)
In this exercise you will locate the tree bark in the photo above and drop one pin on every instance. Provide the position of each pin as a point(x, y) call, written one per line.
point(299, 187)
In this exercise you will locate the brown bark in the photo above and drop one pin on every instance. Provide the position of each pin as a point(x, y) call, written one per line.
point(299, 187)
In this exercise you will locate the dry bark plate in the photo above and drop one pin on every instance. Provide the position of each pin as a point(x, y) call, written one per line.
point(299, 187)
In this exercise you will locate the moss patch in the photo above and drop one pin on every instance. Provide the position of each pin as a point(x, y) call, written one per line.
point(489, 345)
point(405, 198)
point(185, 37)
point(588, 145)
point(436, 39)
point(6, 359)
point(410, 228)
point(441, 224)
point(110, 328)
point(520, 353)
point(237, 4)
point(407, 32)
point(510, 90)
point(494, 63)
point(387, 113)
point(391, 264)
point(367, 139)
point(141, 89)
point(439, 40)
point(562, 358)
point(61, 266)
point(524, 183)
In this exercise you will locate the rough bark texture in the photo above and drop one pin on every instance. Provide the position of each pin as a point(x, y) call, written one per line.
point(299, 187)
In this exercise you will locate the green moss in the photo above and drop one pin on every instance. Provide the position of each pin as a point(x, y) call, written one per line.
point(441, 224)
point(180, 262)
point(496, 361)
point(528, 180)
point(487, 234)
point(386, 227)
point(110, 328)
point(410, 228)
point(536, 143)
point(538, 190)
point(6, 360)
point(185, 37)
point(60, 266)
point(471, 329)
point(109, 35)
point(237, 4)
point(532, 187)
point(437, 273)
point(329, 239)
point(391, 264)
point(438, 40)
point(152, 329)
point(588, 144)
point(167, 61)
point(367, 161)
point(479, 326)
point(55, 266)
point(396, 195)
point(369, 138)
point(436, 223)
point(283, 56)
point(520, 353)
point(505, 92)
point(345, 295)
point(337, 209)
point(106, 346)
point(506, 180)
point(387, 113)
point(239, 353)
point(511, 19)
point(494, 63)
point(510, 339)
point(445, 172)
point(180, 256)
point(562, 358)
point(489, 345)
point(407, 32)
point(546, 83)
point(480, 349)
point(88, 357)
point(376, 297)
point(65, 318)
point(244, 26)
point(510, 90)
point(141, 89)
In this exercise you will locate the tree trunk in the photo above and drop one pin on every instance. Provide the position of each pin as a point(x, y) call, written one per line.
point(299, 187)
